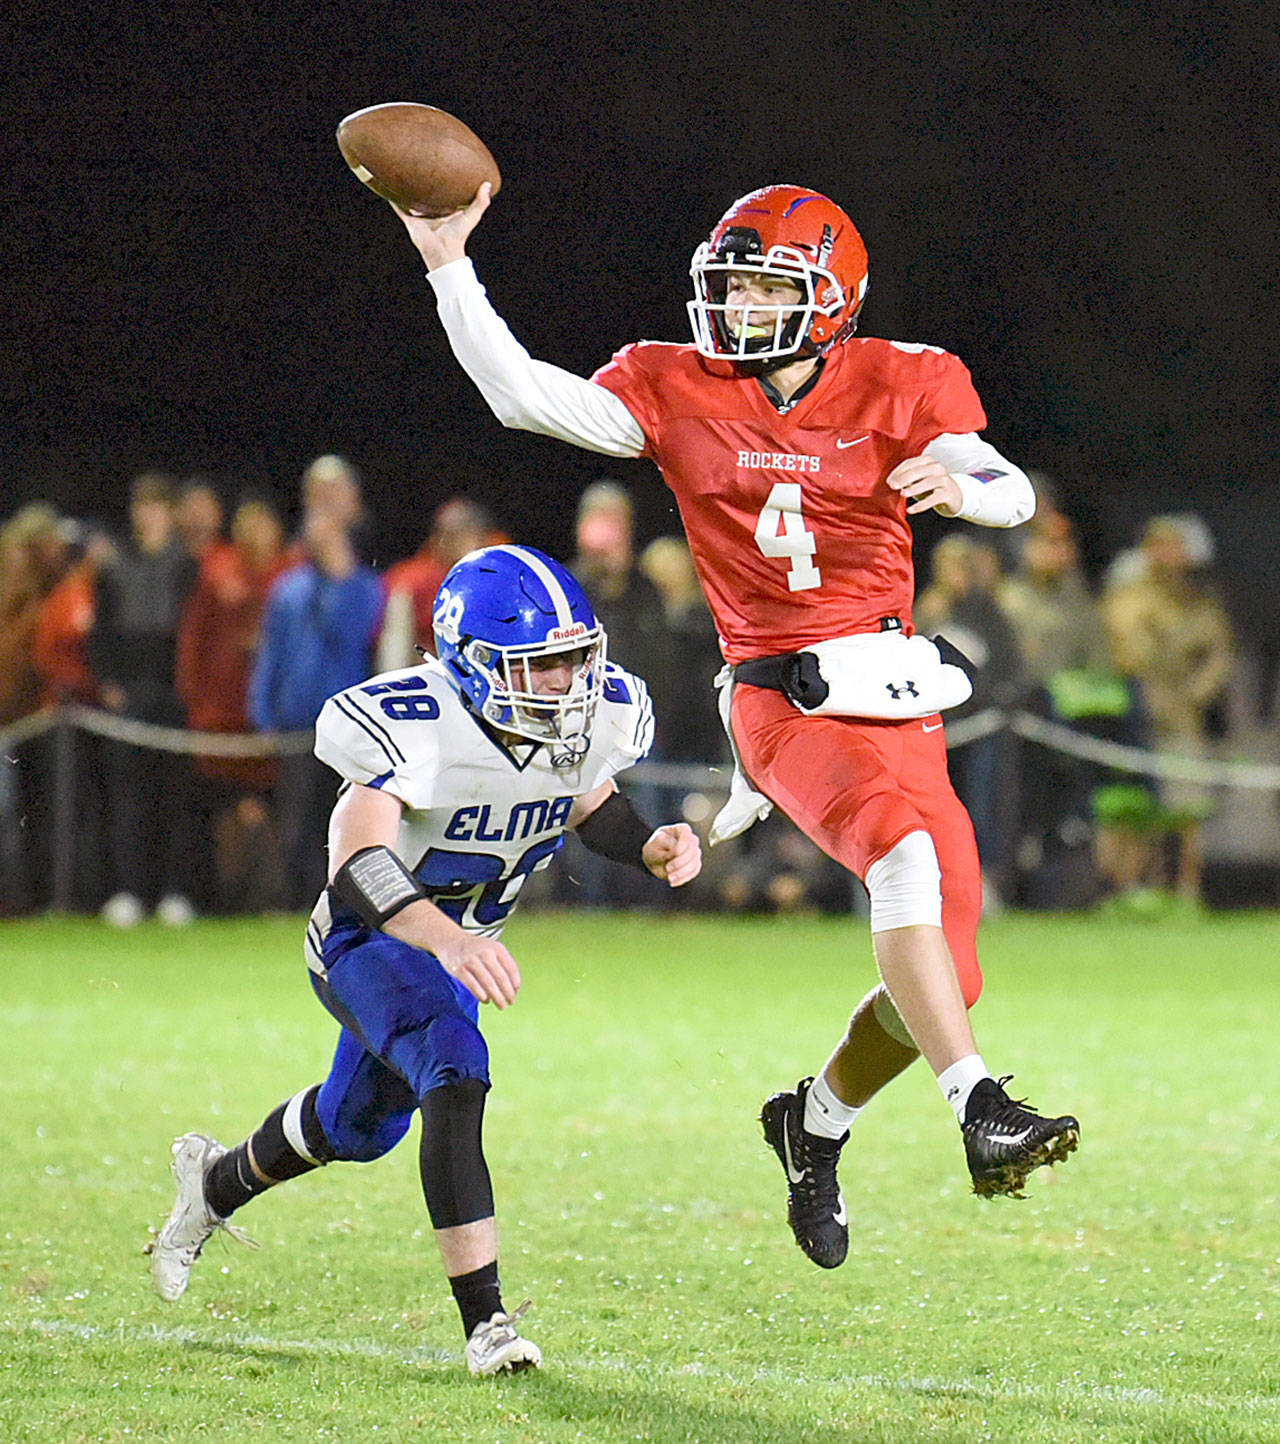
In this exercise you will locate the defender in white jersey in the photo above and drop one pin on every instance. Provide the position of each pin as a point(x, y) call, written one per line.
point(460, 778)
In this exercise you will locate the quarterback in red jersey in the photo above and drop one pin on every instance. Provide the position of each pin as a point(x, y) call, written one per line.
point(797, 452)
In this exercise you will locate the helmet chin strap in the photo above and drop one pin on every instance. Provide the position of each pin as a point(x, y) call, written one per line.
point(804, 352)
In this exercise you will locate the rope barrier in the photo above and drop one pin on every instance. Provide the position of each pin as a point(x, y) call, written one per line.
point(195, 744)
point(26, 728)
point(1245, 776)
point(1248, 776)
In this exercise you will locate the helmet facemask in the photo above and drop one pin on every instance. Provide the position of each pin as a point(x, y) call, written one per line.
point(775, 331)
point(511, 702)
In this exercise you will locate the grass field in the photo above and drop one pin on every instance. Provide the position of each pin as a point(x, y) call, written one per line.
point(1135, 1295)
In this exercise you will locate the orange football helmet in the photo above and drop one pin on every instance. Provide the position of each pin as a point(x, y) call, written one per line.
point(784, 233)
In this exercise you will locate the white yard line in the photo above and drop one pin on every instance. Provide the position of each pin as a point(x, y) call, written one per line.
point(959, 1388)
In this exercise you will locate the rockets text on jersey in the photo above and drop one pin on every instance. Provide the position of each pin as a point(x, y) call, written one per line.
point(794, 532)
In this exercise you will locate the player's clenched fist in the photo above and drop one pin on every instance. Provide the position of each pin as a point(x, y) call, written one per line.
point(926, 484)
point(674, 854)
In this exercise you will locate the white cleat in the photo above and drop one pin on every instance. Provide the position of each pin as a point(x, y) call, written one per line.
point(192, 1223)
point(496, 1346)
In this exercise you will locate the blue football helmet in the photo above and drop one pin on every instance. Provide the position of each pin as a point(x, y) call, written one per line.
point(503, 608)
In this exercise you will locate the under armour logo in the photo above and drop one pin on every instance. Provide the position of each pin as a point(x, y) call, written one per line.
point(908, 689)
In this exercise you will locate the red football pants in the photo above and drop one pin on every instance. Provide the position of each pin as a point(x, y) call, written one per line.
point(856, 788)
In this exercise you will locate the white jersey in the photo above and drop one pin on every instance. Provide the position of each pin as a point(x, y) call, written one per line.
point(477, 819)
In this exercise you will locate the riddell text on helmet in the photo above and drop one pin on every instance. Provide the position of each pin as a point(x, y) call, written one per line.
point(778, 461)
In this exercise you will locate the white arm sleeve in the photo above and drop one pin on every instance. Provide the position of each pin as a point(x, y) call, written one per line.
point(993, 491)
point(522, 393)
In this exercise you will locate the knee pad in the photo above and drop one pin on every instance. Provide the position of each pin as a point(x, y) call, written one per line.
point(448, 1050)
point(363, 1108)
point(906, 885)
point(361, 1140)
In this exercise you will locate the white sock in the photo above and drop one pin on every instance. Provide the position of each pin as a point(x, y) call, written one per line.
point(824, 1113)
point(957, 1081)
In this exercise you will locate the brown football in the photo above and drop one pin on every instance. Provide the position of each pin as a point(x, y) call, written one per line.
point(423, 159)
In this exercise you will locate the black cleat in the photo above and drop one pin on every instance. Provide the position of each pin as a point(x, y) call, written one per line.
point(815, 1208)
point(1005, 1139)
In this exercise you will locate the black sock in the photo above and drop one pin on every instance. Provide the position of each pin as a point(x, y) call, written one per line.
point(268, 1157)
point(478, 1296)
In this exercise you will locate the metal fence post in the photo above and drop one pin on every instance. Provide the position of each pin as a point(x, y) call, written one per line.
point(64, 814)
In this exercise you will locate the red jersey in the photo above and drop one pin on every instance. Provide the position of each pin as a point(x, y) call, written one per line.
point(795, 535)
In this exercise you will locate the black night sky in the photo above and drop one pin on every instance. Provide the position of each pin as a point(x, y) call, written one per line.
point(1080, 201)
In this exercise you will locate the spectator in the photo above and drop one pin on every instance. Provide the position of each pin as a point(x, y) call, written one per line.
point(217, 641)
point(626, 601)
point(630, 610)
point(200, 518)
point(1056, 620)
point(132, 649)
point(61, 644)
point(318, 631)
point(1170, 633)
point(332, 483)
point(458, 526)
point(61, 654)
point(960, 602)
point(31, 556)
point(695, 733)
point(1065, 653)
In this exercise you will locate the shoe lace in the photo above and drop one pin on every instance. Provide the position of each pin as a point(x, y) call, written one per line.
point(1008, 1104)
point(502, 1329)
point(193, 1251)
point(223, 1226)
point(1005, 1111)
point(234, 1231)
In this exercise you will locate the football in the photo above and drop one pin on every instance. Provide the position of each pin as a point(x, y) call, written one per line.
point(423, 159)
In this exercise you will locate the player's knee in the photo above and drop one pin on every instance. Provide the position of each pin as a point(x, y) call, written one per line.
point(356, 1140)
point(447, 1050)
point(905, 885)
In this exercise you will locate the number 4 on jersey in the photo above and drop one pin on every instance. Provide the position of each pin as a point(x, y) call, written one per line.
point(781, 532)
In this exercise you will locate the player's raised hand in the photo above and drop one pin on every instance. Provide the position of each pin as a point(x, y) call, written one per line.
point(673, 853)
point(483, 966)
point(441, 239)
point(926, 484)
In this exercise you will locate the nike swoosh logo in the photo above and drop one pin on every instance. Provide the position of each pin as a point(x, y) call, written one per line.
point(840, 1216)
point(926, 727)
point(1010, 1138)
point(786, 1149)
point(845, 445)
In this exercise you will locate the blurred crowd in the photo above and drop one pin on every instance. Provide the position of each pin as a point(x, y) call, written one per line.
point(203, 612)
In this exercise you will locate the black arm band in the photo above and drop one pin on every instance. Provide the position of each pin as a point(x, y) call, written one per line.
point(616, 830)
point(375, 885)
